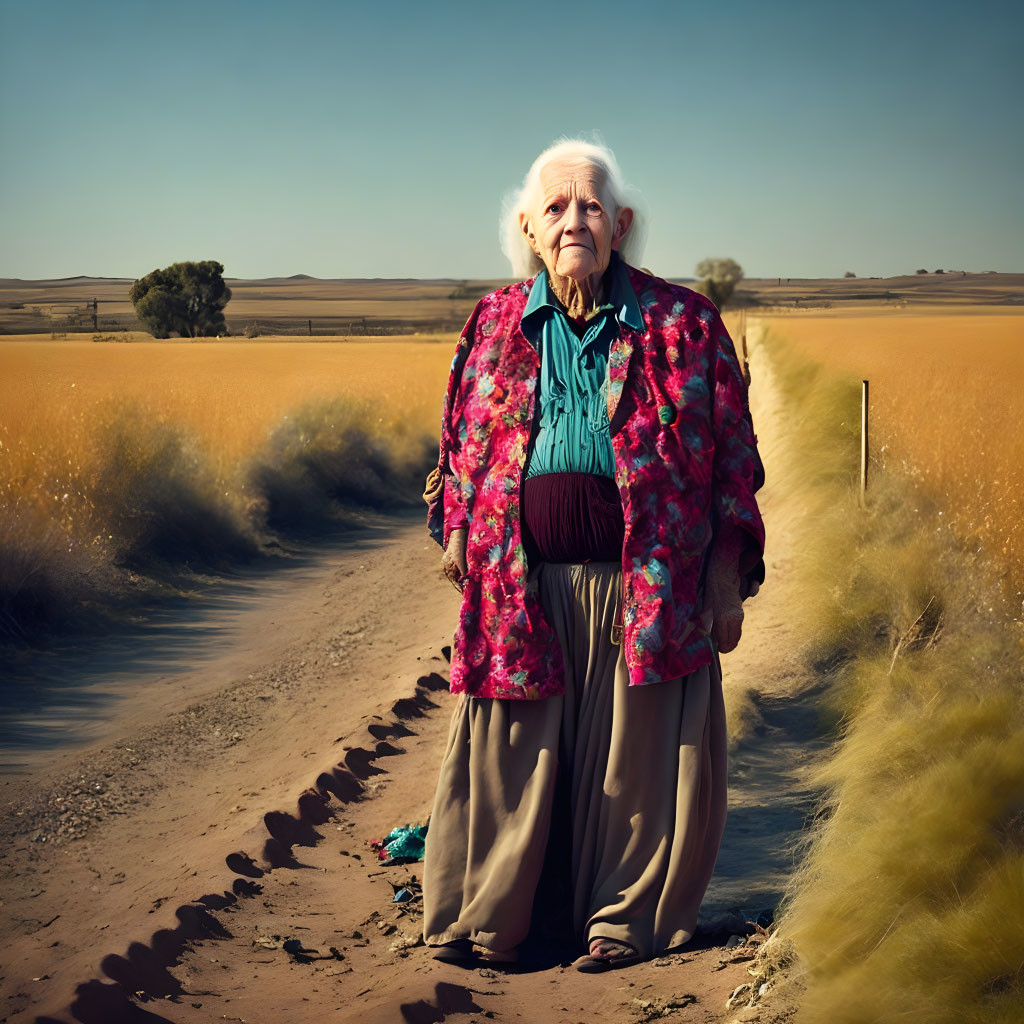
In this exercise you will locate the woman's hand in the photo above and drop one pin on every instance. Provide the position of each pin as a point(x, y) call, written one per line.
point(433, 485)
point(723, 607)
point(453, 561)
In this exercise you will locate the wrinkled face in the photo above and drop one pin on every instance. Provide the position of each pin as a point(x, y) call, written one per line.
point(574, 226)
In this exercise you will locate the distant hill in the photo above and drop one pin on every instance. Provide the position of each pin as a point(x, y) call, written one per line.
point(306, 305)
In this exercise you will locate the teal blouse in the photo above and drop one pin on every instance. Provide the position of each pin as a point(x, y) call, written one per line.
point(573, 434)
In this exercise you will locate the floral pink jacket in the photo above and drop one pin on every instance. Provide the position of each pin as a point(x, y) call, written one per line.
point(686, 465)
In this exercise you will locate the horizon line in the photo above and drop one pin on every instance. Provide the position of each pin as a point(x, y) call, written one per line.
point(667, 277)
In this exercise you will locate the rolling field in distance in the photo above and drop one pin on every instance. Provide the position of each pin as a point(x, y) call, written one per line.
point(286, 305)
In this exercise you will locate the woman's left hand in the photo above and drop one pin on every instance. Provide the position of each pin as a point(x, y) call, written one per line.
point(723, 605)
point(726, 622)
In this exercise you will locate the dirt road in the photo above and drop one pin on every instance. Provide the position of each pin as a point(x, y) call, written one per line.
point(204, 855)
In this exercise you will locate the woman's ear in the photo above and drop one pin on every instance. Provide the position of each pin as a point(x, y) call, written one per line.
point(623, 220)
point(524, 226)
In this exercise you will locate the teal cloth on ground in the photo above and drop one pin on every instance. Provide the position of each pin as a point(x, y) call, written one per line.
point(405, 842)
point(573, 434)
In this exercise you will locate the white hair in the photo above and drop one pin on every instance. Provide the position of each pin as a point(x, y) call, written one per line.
point(525, 262)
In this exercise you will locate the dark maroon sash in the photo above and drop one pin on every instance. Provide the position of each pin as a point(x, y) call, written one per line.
point(571, 517)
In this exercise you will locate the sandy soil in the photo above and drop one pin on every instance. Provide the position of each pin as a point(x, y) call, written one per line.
point(204, 855)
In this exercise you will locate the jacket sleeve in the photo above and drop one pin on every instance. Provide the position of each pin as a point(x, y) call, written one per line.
point(447, 511)
point(737, 472)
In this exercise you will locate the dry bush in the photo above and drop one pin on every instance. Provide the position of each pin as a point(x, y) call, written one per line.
point(155, 494)
point(49, 582)
point(325, 459)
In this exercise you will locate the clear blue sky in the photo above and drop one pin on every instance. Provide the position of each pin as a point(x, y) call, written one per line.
point(375, 139)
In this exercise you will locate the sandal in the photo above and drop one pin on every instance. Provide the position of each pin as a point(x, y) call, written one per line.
point(622, 955)
point(460, 951)
point(463, 951)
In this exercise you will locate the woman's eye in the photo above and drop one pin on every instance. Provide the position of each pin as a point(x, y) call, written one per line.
point(553, 206)
point(594, 206)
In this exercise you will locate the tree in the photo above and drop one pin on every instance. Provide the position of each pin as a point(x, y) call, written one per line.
point(719, 278)
point(849, 273)
point(186, 299)
point(922, 271)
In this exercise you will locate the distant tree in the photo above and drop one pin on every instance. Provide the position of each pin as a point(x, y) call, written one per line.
point(939, 271)
point(184, 299)
point(849, 273)
point(719, 278)
point(922, 271)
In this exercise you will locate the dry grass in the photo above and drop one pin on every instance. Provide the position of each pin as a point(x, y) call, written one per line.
point(905, 904)
point(947, 410)
point(227, 393)
point(133, 458)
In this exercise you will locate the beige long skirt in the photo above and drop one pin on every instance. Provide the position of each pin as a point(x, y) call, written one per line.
point(641, 774)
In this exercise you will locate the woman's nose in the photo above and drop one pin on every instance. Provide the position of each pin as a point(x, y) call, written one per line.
point(575, 220)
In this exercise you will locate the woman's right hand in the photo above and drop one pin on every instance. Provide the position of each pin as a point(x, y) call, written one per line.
point(432, 488)
point(453, 561)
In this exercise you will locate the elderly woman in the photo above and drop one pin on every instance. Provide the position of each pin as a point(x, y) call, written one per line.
point(594, 497)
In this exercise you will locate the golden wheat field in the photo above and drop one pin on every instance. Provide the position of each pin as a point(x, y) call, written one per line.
point(57, 397)
point(229, 393)
point(947, 408)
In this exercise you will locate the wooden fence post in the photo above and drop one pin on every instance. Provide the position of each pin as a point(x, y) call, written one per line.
point(864, 444)
point(743, 345)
